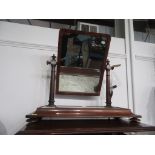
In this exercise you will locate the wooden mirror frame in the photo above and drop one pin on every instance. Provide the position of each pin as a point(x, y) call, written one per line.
point(71, 69)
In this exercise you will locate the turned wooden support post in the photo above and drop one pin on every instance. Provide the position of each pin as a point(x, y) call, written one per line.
point(52, 80)
point(108, 98)
point(108, 88)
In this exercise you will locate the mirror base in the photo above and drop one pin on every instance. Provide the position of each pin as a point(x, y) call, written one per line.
point(77, 112)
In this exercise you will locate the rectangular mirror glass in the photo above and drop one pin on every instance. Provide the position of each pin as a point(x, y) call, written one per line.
point(81, 62)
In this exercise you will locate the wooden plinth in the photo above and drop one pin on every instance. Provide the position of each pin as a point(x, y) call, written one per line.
point(83, 120)
point(98, 126)
point(81, 112)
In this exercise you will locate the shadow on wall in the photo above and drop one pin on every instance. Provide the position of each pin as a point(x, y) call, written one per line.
point(3, 130)
point(151, 107)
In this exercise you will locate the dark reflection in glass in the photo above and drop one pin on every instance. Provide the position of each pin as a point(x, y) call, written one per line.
point(80, 50)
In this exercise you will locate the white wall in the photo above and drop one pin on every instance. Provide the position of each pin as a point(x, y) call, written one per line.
point(24, 51)
point(24, 75)
point(145, 81)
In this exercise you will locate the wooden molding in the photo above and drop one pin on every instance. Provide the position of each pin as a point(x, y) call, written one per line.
point(28, 45)
point(145, 58)
point(117, 55)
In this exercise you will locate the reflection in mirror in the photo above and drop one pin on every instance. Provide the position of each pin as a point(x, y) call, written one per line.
point(81, 61)
point(79, 83)
point(80, 50)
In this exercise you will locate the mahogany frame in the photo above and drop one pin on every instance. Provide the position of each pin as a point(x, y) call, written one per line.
point(72, 70)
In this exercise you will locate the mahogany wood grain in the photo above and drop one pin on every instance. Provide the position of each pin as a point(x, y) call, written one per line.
point(81, 112)
point(67, 127)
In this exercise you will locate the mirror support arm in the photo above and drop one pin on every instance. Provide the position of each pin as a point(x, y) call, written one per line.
point(52, 80)
point(108, 98)
point(108, 88)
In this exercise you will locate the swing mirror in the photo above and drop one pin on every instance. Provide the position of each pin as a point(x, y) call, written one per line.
point(81, 62)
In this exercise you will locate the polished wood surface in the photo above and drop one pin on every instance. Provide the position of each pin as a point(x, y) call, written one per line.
point(52, 80)
point(81, 112)
point(98, 126)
